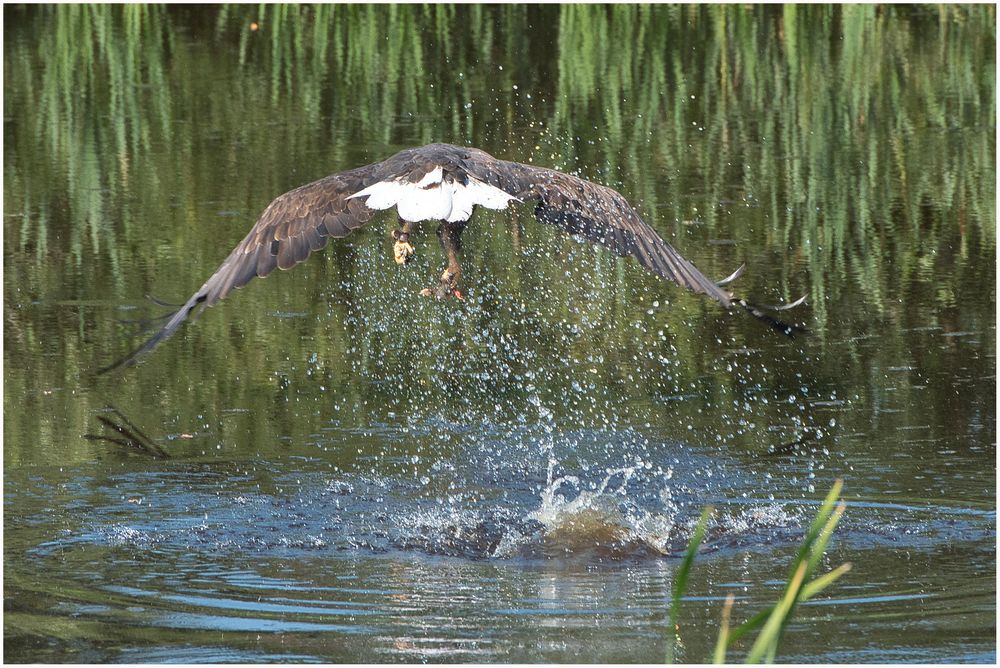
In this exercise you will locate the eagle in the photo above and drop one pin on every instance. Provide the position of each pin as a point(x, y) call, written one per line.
point(445, 183)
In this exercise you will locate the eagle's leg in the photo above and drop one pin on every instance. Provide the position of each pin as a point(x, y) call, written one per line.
point(402, 250)
point(450, 236)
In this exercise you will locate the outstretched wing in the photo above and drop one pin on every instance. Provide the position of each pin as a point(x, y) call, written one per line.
point(432, 182)
point(595, 212)
point(291, 227)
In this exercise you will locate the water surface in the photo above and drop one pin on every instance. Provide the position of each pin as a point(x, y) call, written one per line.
point(358, 474)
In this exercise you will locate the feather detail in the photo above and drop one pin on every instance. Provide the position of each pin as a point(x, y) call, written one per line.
point(437, 182)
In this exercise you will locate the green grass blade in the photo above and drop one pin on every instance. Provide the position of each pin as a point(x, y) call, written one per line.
point(822, 515)
point(799, 588)
point(819, 547)
point(810, 589)
point(767, 641)
point(809, 555)
point(680, 581)
point(751, 624)
point(719, 656)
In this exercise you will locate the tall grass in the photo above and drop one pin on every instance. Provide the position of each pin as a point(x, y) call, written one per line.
point(680, 580)
point(772, 622)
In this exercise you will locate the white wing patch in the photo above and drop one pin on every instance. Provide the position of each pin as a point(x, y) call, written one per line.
point(433, 197)
point(432, 177)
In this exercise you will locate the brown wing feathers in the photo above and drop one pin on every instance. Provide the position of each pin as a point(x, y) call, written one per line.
point(300, 221)
point(599, 214)
point(289, 229)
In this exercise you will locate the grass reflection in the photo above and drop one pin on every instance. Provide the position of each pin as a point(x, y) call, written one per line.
point(850, 149)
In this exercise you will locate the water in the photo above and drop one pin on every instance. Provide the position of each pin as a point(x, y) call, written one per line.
point(357, 474)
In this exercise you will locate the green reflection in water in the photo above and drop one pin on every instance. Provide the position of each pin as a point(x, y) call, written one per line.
point(844, 152)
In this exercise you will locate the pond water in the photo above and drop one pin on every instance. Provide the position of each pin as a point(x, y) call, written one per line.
point(357, 474)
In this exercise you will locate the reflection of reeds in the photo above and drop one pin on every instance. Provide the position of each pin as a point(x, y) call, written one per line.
point(794, 95)
point(853, 145)
point(103, 88)
point(797, 97)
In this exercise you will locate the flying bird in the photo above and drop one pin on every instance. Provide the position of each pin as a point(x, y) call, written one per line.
point(441, 182)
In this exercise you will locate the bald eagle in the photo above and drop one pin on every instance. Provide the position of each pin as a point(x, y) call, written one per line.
point(444, 183)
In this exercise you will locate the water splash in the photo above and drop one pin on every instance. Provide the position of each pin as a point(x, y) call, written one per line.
point(600, 522)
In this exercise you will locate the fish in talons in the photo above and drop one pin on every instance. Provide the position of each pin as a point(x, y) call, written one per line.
point(402, 249)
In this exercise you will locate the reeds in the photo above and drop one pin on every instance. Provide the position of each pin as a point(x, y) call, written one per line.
point(800, 586)
point(680, 580)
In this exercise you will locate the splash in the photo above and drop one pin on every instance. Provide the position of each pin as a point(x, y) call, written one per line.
point(601, 522)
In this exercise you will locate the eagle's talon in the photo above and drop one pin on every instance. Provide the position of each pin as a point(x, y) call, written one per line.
point(445, 288)
point(440, 291)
